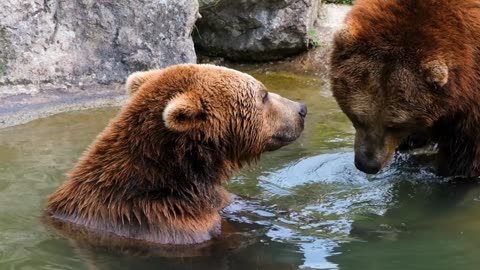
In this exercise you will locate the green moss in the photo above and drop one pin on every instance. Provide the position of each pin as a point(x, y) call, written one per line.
point(313, 39)
point(208, 3)
point(3, 67)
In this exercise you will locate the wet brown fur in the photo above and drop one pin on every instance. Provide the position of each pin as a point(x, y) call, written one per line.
point(143, 180)
point(406, 67)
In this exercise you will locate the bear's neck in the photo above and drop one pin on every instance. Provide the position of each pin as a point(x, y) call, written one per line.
point(124, 173)
point(125, 158)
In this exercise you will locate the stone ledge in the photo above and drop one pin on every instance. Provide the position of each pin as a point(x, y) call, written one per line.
point(16, 109)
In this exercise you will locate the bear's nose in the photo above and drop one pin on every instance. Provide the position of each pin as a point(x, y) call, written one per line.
point(369, 166)
point(303, 110)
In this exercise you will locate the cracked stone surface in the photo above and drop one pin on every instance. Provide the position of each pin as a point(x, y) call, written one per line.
point(80, 44)
point(256, 30)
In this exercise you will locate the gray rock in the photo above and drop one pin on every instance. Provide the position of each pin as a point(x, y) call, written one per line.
point(255, 30)
point(330, 18)
point(77, 43)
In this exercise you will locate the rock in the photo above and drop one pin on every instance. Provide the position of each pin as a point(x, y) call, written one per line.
point(48, 44)
point(330, 17)
point(315, 61)
point(255, 30)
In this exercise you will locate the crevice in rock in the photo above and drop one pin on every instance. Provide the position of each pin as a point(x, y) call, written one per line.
point(45, 6)
point(51, 40)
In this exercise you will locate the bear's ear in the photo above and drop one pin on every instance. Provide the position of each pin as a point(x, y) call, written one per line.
point(137, 79)
point(184, 112)
point(436, 72)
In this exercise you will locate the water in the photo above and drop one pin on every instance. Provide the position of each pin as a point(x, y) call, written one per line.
point(302, 207)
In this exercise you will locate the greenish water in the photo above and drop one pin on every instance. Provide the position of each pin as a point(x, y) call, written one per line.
point(302, 207)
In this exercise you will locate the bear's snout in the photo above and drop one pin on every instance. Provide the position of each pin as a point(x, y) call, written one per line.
point(303, 110)
point(284, 121)
point(373, 150)
point(367, 165)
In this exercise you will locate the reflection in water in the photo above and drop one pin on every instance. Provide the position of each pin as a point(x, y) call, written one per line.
point(430, 226)
point(327, 168)
point(304, 206)
point(318, 201)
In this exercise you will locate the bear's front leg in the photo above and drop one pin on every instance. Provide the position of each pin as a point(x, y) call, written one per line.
point(459, 156)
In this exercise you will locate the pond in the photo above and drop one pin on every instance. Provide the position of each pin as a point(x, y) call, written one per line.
point(302, 207)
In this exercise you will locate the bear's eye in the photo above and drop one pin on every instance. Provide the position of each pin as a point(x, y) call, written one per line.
point(265, 97)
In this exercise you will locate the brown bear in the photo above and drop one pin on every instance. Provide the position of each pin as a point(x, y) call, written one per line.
point(411, 68)
point(156, 172)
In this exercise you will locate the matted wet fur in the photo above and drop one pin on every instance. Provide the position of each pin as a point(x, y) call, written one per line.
point(411, 68)
point(156, 172)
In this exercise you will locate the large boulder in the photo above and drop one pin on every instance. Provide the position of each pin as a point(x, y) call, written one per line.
point(54, 43)
point(255, 30)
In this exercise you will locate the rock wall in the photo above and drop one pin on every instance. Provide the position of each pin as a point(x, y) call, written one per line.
point(255, 30)
point(63, 55)
point(74, 43)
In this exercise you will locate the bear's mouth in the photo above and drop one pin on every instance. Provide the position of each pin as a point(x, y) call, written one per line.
point(277, 142)
point(284, 139)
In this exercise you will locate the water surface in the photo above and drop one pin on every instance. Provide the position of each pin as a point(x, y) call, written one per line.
point(304, 206)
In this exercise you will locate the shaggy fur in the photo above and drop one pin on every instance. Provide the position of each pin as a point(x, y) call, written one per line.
point(156, 172)
point(411, 67)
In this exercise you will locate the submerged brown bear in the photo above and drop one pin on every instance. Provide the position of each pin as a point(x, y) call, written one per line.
point(156, 172)
point(411, 68)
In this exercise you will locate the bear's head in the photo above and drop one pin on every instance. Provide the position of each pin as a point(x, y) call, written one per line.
point(156, 172)
point(389, 79)
point(215, 108)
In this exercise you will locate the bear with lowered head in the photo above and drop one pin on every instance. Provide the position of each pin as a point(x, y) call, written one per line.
point(403, 69)
point(156, 173)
